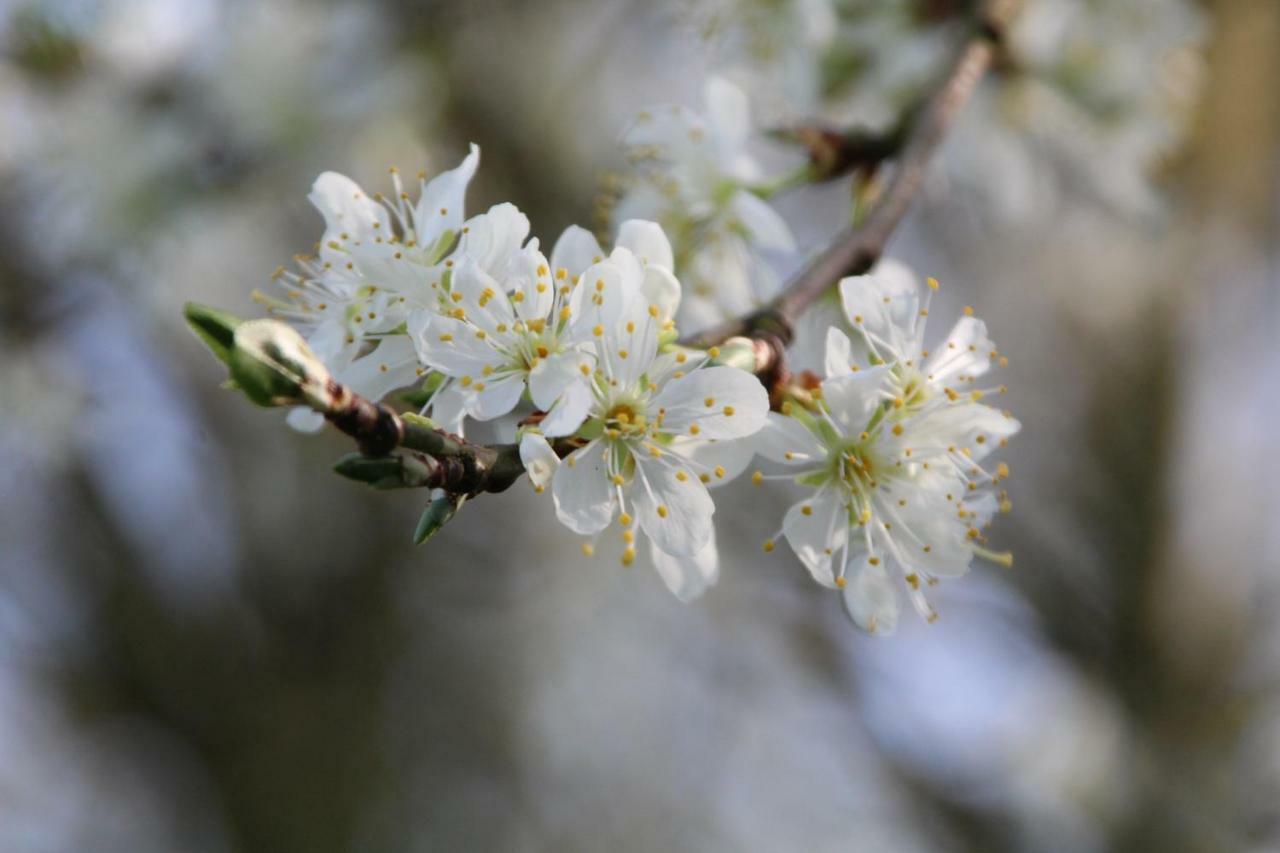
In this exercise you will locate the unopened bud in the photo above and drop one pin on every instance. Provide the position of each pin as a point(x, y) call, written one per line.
point(273, 365)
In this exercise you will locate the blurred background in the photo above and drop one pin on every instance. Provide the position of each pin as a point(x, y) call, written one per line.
point(209, 642)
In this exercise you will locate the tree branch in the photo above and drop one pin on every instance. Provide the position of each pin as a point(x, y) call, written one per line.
point(430, 457)
point(408, 451)
point(856, 250)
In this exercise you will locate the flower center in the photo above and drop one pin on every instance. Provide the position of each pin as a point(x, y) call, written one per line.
point(857, 469)
point(912, 389)
point(626, 417)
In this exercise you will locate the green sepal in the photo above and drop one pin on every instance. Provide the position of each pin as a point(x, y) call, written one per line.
point(437, 514)
point(419, 420)
point(376, 471)
point(383, 472)
point(262, 383)
point(420, 396)
point(272, 364)
point(441, 247)
point(216, 329)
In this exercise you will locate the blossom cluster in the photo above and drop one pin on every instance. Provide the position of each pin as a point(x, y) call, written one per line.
point(578, 353)
point(891, 443)
point(405, 291)
point(1091, 98)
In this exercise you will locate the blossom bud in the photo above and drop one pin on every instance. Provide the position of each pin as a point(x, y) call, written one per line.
point(273, 365)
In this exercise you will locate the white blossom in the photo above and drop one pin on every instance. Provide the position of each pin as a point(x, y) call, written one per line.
point(892, 445)
point(649, 415)
point(378, 261)
point(510, 320)
point(697, 178)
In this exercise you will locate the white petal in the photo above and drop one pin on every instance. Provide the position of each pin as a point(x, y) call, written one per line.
point(854, 396)
point(648, 242)
point(583, 492)
point(630, 350)
point(729, 113)
point(961, 425)
point(441, 206)
point(785, 439)
point(347, 210)
point(688, 577)
point(870, 600)
point(552, 375)
point(727, 389)
point(451, 346)
point(576, 250)
point(839, 353)
point(540, 461)
point(674, 513)
point(329, 342)
point(303, 419)
point(964, 355)
point(661, 288)
point(598, 300)
point(492, 238)
point(767, 228)
point(529, 275)
point(732, 456)
point(449, 409)
point(393, 364)
point(481, 296)
point(497, 398)
point(892, 323)
point(569, 412)
point(817, 536)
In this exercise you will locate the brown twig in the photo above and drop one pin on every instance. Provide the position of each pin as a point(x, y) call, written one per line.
point(856, 250)
point(428, 458)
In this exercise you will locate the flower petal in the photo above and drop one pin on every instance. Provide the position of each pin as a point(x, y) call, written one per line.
point(884, 305)
point(964, 356)
point(493, 237)
point(451, 346)
point(448, 408)
point(480, 296)
point(688, 577)
point(529, 279)
point(497, 398)
point(540, 461)
point(392, 364)
point(870, 600)
point(839, 353)
point(852, 398)
point(817, 529)
point(597, 302)
point(731, 456)
point(674, 513)
point(661, 288)
point(722, 401)
point(767, 228)
point(442, 202)
point(350, 216)
point(569, 412)
point(576, 250)
point(785, 439)
point(552, 375)
point(648, 242)
point(729, 114)
point(583, 493)
point(303, 419)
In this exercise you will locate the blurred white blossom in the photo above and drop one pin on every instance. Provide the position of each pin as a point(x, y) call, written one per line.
point(697, 177)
